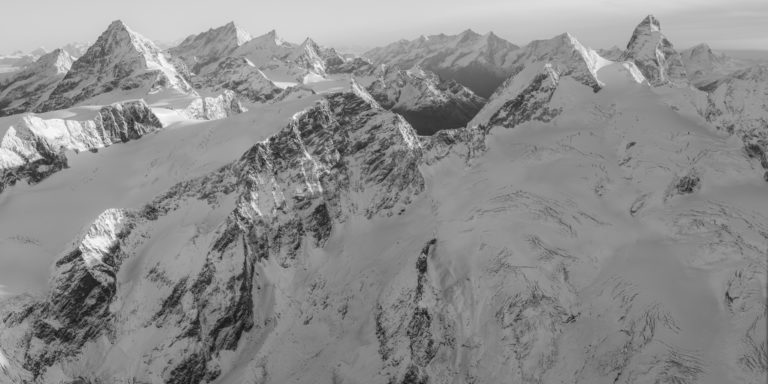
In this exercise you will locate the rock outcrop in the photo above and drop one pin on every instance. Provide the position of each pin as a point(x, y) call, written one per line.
point(214, 108)
point(34, 148)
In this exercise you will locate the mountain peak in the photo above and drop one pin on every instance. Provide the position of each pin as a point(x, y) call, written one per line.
point(118, 25)
point(120, 58)
point(58, 59)
point(650, 22)
point(654, 54)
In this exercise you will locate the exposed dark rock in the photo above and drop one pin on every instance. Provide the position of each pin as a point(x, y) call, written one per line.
point(688, 184)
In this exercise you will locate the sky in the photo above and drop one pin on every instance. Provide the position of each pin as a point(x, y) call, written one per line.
point(724, 24)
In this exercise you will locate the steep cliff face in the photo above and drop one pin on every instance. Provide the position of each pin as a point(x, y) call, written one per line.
point(214, 108)
point(34, 148)
point(121, 61)
point(654, 55)
point(426, 101)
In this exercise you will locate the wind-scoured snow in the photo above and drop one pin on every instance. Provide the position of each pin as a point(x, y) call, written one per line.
point(593, 225)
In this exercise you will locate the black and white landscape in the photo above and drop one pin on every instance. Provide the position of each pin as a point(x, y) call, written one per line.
point(459, 208)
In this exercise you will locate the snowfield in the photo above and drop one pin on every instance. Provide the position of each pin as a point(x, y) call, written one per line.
point(587, 226)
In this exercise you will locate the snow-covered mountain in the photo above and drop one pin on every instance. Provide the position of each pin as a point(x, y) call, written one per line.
point(535, 73)
point(33, 148)
point(613, 53)
point(286, 62)
point(121, 64)
point(429, 103)
point(239, 75)
point(76, 49)
point(479, 62)
point(255, 68)
point(202, 49)
point(704, 66)
point(654, 54)
point(738, 104)
point(590, 226)
point(26, 89)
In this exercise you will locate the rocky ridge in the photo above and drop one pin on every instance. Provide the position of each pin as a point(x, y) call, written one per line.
point(33, 148)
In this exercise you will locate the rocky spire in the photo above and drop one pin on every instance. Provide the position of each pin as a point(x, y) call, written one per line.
point(654, 54)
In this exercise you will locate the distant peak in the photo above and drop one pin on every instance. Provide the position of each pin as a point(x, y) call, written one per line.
point(58, 59)
point(651, 23)
point(469, 32)
point(701, 47)
point(117, 25)
point(568, 39)
point(308, 42)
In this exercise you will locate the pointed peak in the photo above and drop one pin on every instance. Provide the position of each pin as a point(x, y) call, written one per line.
point(118, 25)
point(650, 22)
point(58, 59)
point(567, 37)
point(308, 42)
point(469, 32)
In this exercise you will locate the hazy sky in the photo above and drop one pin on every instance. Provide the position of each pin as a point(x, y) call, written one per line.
point(734, 24)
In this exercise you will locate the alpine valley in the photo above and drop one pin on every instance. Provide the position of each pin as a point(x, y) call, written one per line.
point(450, 209)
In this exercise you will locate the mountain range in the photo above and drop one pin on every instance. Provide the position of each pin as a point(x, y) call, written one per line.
point(450, 209)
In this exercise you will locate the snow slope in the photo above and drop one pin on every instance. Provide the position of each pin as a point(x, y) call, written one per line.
point(590, 226)
point(343, 249)
point(535, 69)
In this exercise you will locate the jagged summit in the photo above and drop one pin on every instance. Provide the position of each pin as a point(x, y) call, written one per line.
point(120, 60)
point(655, 55)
